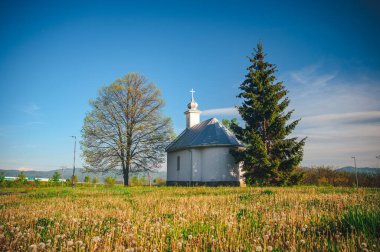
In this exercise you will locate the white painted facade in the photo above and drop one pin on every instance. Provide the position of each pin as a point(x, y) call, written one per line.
point(208, 164)
point(192, 117)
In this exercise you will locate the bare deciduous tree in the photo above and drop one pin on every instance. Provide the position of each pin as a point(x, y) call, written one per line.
point(126, 129)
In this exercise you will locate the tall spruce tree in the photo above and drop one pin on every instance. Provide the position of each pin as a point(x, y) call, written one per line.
point(270, 156)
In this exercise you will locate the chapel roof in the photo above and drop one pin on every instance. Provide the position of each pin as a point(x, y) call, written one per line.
point(206, 133)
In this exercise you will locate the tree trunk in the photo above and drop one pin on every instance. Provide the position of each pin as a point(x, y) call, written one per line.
point(125, 173)
point(126, 176)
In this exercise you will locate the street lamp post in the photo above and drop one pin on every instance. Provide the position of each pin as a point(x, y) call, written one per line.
point(356, 173)
point(75, 145)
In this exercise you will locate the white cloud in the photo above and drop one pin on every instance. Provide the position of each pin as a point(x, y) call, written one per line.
point(31, 109)
point(350, 117)
point(309, 76)
point(340, 116)
point(221, 111)
point(341, 94)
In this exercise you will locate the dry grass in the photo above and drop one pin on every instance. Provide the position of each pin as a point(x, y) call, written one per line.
point(190, 219)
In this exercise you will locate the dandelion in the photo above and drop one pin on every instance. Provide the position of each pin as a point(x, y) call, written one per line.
point(302, 241)
point(266, 237)
point(33, 247)
point(179, 245)
point(95, 239)
point(269, 248)
point(190, 237)
point(364, 245)
point(259, 248)
point(41, 245)
point(303, 229)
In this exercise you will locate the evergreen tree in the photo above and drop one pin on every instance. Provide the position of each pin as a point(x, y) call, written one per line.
point(270, 156)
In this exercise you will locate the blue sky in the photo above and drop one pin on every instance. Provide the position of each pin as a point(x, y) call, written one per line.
point(54, 56)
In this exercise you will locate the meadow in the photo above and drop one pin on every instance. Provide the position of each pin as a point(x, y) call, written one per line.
point(189, 219)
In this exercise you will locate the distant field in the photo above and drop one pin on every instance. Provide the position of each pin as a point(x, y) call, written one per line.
point(189, 219)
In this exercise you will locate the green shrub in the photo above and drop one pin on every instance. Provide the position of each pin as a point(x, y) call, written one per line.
point(21, 179)
point(136, 181)
point(95, 180)
point(87, 179)
point(2, 179)
point(159, 181)
point(109, 181)
point(55, 178)
point(267, 192)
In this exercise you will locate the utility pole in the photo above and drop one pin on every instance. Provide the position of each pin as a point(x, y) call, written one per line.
point(356, 172)
point(378, 157)
point(75, 145)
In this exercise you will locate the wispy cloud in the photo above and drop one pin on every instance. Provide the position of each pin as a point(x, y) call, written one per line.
point(31, 109)
point(221, 111)
point(340, 115)
point(312, 76)
point(345, 93)
point(352, 117)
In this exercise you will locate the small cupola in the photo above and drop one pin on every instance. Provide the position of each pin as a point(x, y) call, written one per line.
point(193, 114)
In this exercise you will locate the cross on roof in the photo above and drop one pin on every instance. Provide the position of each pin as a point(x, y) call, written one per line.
point(192, 94)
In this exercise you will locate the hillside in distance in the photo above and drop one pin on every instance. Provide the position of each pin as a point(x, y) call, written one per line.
point(368, 170)
point(80, 173)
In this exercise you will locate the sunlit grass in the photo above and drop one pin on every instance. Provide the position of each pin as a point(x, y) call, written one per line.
point(189, 219)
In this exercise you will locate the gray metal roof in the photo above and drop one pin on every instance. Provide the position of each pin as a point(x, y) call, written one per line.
point(206, 133)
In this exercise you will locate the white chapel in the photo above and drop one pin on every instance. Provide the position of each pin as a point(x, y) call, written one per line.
point(200, 155)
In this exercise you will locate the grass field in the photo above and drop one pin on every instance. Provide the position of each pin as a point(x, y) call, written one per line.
point(189, 219)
